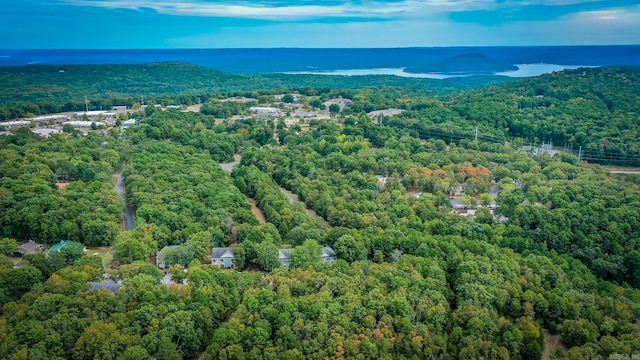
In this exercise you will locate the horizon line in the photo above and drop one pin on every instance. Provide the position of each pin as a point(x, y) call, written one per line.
point(326, 48)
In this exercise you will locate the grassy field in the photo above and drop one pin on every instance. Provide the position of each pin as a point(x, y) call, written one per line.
point(103, 251)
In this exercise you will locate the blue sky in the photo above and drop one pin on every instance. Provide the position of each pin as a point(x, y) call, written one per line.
point(55, 24)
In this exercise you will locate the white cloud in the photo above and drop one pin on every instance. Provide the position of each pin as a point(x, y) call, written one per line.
point(569, 30)
point(618, 15)
point(268, 10)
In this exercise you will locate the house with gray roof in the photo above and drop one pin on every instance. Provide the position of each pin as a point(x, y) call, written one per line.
point(30, 247)
point(328, 255)
point(222, 257)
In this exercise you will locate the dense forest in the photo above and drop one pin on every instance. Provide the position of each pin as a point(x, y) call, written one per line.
point(447, 247)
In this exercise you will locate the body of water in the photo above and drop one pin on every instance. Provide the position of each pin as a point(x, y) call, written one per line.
point(524, 70)
point(356, 61)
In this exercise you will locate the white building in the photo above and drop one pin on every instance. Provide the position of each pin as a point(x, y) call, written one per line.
point(340, 102)
point(83, 124)
point(97, 115)
point(8, 125)
point(56, 119)
point(260, 111)
point(128, 123)
point(46, 132)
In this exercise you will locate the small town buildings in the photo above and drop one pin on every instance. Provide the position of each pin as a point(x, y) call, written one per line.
point(222, 257)
point(28, 248)
point(120, 108)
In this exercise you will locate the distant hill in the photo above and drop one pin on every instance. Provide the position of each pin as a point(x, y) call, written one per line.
point(465, 63)
point(44, 89)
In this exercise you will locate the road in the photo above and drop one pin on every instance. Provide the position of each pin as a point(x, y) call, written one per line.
point(128, 214)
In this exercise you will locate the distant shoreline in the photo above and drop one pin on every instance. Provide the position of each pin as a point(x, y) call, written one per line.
point(524, 70)
point(286, 60)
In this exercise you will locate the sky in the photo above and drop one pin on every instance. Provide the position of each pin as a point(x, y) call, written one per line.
point(141, 24)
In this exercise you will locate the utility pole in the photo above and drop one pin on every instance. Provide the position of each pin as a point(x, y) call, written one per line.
point(86, 104)
point(476, 138)
point(580, 153)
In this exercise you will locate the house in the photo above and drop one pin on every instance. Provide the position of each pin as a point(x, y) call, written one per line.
point(265, 112)
point(385, 113)
point(283, 257)
point(340, 102)
point(83, 124)
point(168, 256)
point(62, 244)
point(305, 115)
point(120, 108)
point(128, 123)
point(56, 119)
point(328, 255)
point(30, 247)
point(45, 132)
point(108, 285)
point(222, 257)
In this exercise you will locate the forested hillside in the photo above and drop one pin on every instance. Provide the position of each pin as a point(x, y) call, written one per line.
point(47, 89)
point(595, 109)
point(551, 245)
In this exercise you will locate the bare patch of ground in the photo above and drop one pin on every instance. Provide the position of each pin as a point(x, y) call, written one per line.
point(62, 185)
point(256, 211)
point(621, 170)
point(194, 108)
point(551, 344)
point(228, 167)
point(103, 251)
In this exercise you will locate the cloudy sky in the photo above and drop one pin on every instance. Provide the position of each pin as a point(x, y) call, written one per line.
point(55, 24)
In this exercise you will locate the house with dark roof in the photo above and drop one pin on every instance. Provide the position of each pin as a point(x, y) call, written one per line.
point(30, 247)
point(222, 257)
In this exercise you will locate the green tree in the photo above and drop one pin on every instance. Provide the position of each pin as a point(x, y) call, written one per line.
point(7, 246)
point(350, 249)
point(305, 255)
point(72, 252)
point(266, 255)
